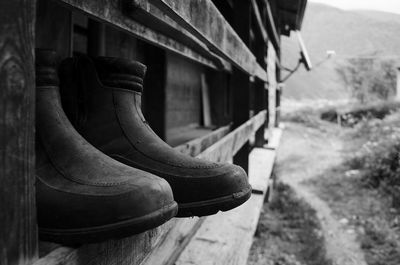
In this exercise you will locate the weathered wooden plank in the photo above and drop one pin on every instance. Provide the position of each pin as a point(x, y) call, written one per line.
point(274, 138)
point(225, 238)
point(261, 162)
point(147, 14)
point(196, 146)
point(202, 19)
point(112, 12)
point(18, 231)
point(224, 149)
point(168, 251)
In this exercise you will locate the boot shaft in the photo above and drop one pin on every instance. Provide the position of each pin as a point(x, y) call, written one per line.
point(88, 92)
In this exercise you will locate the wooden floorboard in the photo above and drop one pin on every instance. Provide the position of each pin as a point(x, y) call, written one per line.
point(274, 137)
point(226, 238)
point(261, 162)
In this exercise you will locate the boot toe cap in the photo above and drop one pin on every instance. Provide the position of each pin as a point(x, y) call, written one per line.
point(224, 182)
point(144, 204)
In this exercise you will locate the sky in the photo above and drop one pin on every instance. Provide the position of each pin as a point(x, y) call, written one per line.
point(392, 6)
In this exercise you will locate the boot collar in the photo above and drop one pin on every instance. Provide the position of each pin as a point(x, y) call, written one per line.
point(120, 73)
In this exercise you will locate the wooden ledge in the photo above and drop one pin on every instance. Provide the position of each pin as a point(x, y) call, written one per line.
point(226, 238)
point(164, 243)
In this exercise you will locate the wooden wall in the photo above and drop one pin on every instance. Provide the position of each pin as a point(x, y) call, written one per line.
point(172, 97)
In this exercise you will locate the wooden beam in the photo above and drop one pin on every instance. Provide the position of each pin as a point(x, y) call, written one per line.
point(18, 230)
point(224, 149)
point(203, 20)
point(110, 11)
point(147, 14)
point(196, 146)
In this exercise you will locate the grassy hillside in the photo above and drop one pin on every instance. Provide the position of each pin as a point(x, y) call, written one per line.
point(350, 34)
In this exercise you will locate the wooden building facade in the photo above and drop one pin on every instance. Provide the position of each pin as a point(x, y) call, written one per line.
point(211, 90)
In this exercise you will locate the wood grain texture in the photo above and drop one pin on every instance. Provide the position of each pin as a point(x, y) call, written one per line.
point(147, 14)
point(168, 251)
point(112, 12)
point(224, 149)
point(226, 238)
point(202, 19)
point(18, 232)
point(196, 146)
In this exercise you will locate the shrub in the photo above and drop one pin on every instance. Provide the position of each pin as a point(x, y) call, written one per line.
point(358, 113)
point(379, 157)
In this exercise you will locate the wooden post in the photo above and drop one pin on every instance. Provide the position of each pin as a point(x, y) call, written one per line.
point(54, 28)
point(96, 38)
point(260, 100)
point(154, 94)
point(18, 231)
point(240, 81)
point(278, 92)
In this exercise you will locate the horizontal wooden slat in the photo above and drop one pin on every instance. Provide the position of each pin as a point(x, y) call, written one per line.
point(224, 149)
point(162, 243)
point(203, 20)
point(149, 15)
point(113, 13)
point(196, 146)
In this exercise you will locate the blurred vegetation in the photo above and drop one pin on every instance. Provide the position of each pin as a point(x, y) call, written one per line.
point(368, 79)
point(378, 157)
point(350, 116)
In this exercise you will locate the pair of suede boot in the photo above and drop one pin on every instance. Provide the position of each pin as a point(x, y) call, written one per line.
point(101, 171)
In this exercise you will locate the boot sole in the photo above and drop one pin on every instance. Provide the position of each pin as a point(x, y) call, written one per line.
point(118, 230)
point(213, 206)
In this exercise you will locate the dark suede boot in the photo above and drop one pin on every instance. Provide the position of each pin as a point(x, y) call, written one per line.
point(83, 195)
point(108, 99)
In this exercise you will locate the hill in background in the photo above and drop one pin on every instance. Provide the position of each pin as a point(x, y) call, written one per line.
point(350, 34)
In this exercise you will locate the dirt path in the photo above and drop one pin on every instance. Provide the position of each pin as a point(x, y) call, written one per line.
point(305, 153)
